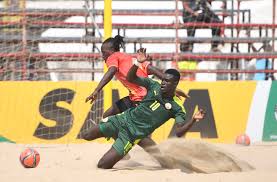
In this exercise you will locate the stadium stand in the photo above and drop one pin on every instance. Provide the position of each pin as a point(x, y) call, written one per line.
point(22, 30)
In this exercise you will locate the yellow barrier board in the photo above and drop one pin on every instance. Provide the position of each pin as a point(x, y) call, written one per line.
point(227, 113)
point(26, 115)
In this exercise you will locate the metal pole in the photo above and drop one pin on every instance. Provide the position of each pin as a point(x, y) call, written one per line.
point(24, 42)
point(230, 76)
point(238, 32)
point(107, 34)
point(87, 7)
point(238, 20)
point(93, 45)
point(232, 22)
point(273, 22)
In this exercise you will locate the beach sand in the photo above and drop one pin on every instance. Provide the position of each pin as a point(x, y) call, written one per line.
point(77, 162)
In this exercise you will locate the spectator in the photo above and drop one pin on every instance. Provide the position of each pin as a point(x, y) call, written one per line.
point(263, 63)
point(200, 11)
point(189, 64)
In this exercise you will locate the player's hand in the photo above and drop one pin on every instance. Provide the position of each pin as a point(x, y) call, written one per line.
point(141, 55)
point(92, 97)
point(195, 14)
point(200, 114)
point(179, 93)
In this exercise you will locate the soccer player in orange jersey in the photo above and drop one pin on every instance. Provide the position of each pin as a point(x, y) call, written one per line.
point(119, 64)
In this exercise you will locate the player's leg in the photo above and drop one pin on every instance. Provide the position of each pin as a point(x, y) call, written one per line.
point(109, 159)
point(113, 110)
point(103, 129)
point(188, 18)
point(120, 148)
point(151, 148)
point(119, 107)
point(92, 133)
point(147, 143)
point(124, 104)
point(211, 17)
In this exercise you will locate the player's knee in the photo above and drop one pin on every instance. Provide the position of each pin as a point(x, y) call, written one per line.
point(107, 114)
point(111, 111)
point(87, 136)
point(104, 164)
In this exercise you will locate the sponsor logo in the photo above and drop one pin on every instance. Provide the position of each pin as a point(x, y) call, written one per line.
point(200, 99)
point(64, 118)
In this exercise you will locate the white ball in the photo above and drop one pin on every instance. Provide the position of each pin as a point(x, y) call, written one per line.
point(168, 106)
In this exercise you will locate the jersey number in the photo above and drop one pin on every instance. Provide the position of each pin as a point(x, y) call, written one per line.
point(155, 105)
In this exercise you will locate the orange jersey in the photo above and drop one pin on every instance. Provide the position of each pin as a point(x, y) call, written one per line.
point(123, 62)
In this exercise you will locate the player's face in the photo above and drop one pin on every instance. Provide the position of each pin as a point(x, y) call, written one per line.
point(106, 52)
point(105, 55)
point(168, 85)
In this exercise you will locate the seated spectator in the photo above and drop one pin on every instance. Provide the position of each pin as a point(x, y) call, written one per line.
point(186, 64)
point(200, 11)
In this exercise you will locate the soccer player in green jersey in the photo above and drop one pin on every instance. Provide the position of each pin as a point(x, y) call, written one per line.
point(158, 106)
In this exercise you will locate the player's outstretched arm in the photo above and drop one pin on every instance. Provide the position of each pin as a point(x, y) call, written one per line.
point(152, 70)
point(132, 74)
point(182, 129)
point(179, 93)
point(106, 79)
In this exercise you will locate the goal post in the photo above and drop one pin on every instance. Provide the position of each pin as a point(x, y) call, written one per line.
point(107, 34)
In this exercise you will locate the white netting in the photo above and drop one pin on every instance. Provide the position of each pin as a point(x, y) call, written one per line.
point(58, 121)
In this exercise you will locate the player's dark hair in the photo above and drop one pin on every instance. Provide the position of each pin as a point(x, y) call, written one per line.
point(175, 73)
point(115, 43)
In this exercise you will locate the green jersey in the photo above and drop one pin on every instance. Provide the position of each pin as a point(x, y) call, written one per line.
point(151, 112)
